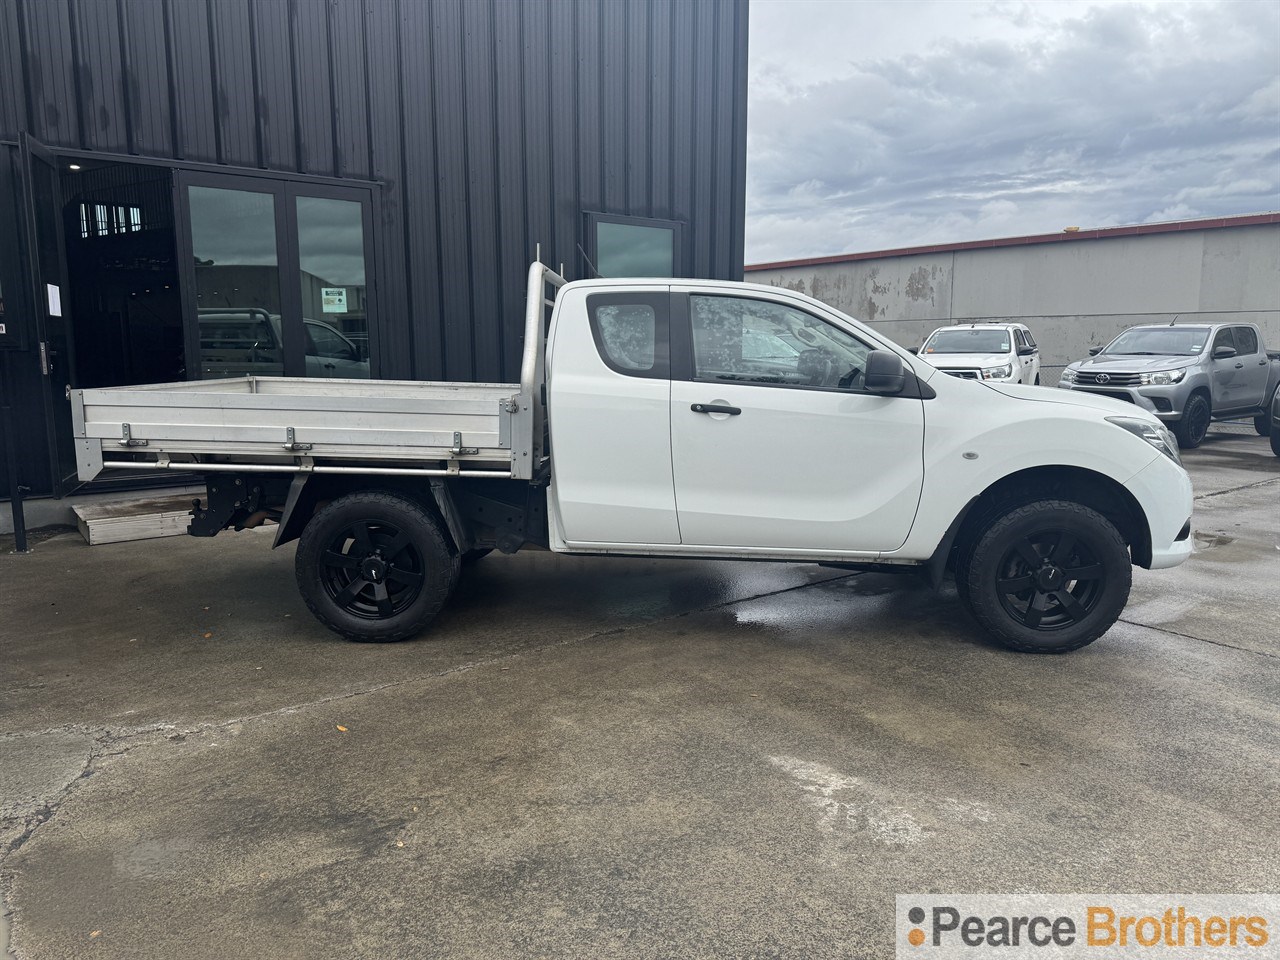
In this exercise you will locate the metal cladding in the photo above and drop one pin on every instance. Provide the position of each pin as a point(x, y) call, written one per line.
point(491, 127)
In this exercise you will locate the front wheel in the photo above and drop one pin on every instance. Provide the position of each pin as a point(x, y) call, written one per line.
point(375, 567)
point(1262, 424)
point(1190, 430)
point(1047, 577)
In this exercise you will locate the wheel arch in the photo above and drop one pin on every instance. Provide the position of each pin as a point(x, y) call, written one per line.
point(1060, 482)
point(309, 492)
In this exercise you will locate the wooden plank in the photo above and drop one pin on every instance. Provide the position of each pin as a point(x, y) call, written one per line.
point(133, 519)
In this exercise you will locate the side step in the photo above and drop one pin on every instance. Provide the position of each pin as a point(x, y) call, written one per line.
point(134, 519)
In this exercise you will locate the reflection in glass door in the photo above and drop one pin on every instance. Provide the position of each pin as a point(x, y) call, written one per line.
point(331, 272)
point(237, 282)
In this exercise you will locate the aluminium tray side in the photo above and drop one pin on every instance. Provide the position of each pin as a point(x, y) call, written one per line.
point(343, 421)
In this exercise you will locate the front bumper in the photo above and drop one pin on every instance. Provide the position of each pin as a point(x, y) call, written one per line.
point(1163, 490)
point(1164, 400)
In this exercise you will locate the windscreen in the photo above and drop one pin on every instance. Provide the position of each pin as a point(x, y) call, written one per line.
point(1159, 342)
point(968, 340)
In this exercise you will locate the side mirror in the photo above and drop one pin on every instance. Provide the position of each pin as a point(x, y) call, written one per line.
point(914, 351)
point(1094, 351)
point(1223, 353)
point(885, 373)
point(1026, 351)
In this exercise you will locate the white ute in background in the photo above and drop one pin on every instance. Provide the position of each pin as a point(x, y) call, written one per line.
point(985, 351)
point(676, 418)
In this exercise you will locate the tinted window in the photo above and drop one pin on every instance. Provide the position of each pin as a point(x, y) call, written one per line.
point(1224, 339)
point(630, 332)
point(324, 341)
point(755, 341)
point(1159, 342)
point(967, 340)
point(1246, 340)
point(629, 250)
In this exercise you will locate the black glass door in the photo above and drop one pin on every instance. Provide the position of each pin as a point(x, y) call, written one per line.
point(275, 277)
point(42, 232)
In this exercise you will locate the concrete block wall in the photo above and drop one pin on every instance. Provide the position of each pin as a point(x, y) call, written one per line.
point(1073, 294)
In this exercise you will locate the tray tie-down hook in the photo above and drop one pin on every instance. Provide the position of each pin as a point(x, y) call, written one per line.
point(291, 444)
point(458, 450)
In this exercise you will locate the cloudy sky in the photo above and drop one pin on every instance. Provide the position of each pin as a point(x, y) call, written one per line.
point(884, 124)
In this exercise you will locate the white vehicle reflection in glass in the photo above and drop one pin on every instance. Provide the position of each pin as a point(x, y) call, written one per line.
point(247, 342)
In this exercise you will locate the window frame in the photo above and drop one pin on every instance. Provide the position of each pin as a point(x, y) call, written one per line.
point(1237, 332)
point(594, 219)
point(660, 302)
point(284, 193)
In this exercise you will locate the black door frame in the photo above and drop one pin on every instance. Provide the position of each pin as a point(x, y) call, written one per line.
point(284, 193)
point(57, 366)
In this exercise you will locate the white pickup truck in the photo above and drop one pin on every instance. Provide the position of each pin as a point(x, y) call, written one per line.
point(676, 418)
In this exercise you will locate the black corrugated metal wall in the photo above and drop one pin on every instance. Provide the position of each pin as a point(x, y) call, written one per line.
point(492, 125)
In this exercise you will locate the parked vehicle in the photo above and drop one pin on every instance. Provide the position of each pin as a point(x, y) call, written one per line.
point(658, 418)
point(984, 351)
point(237, 341)
point(1186, 374)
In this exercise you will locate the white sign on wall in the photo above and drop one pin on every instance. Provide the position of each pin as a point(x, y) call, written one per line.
point(334, 299)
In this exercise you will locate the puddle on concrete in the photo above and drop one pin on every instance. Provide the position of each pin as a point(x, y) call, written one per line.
point(1213, 539)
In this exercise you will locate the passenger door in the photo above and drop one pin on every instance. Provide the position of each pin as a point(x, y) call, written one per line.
point(1227, 377)
point(782, 450)
point(1254, 370)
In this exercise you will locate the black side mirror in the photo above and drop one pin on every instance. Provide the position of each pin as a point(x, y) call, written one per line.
point(1026, 351)
point(1094, 351)
point(1223, 353)
point(885, 373)
point(914, 351)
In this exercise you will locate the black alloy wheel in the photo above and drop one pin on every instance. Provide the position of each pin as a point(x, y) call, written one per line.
point(1193, 426)
point(1045, 577)
point(375, 566)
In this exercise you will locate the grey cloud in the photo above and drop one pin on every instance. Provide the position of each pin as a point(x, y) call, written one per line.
point(1111, 117)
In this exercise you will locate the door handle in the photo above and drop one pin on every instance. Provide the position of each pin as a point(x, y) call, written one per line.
point(1239, 365)
point(715, 408)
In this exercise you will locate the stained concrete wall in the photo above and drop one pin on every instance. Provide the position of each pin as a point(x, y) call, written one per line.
point(1072, 294)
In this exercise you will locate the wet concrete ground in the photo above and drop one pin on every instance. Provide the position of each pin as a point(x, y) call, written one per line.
point(615, 758)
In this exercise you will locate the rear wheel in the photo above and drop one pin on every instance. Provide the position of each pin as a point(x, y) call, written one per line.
point(1190, 430)
point(375, 567)
point(1047, 577)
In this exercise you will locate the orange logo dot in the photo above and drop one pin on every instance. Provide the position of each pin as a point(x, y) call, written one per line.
point(916, 937)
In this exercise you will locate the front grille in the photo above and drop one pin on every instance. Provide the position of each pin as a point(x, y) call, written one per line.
point(964, 374)
point(1109, 379)
point(1113, 394)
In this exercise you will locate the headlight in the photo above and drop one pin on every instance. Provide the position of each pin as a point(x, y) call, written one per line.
point(1156, 434)
point(997, 373)
point(1162, 377)
point(1068, 376)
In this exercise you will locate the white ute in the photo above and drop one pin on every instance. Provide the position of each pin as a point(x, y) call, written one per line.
point(985, 351)
point(676, 418)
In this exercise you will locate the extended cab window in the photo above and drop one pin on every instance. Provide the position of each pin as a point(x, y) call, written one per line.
point(756, 341)
point(630, 331)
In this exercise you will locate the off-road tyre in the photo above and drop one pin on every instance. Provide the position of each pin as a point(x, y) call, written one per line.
point(1196, 415)
point(1014, 575)
point(375, 567)
point(1262, 424)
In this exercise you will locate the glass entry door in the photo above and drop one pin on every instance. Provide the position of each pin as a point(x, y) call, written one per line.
point(42, 232)
point(275, 281)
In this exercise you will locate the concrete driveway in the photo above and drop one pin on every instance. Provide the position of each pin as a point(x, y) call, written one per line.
point(615, 758)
